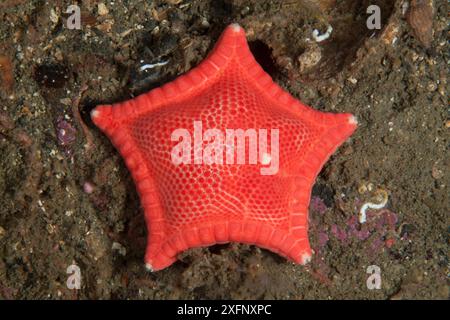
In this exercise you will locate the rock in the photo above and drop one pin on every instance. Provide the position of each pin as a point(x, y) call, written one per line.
point(102, 9)
point(105, 26)
point(436, 172)
point(97, 244)
point(326, 5)
point(420, 18)
point(390, 34)
point(6, 74)
point(174, 1)
point(310, 58)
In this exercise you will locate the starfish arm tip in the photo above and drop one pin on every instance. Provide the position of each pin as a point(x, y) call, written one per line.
point(236, 27)
point(101, 116)
point(353, 120)
point(305, 258)
point(95, 113)
point(149, 267)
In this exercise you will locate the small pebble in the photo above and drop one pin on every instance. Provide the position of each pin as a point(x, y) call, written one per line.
point(309, 58)
point(174, 1)
point(116, 246)
point(436, 172)
point(65, 132)
point(102, 9)
point(88, 187)
point(54, 16)
point(432, 86)
point(352, 80)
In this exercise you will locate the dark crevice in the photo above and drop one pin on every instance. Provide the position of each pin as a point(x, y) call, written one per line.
point(263, 55)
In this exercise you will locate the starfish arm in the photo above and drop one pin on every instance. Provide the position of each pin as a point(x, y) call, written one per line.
point(163, 252)
point(264, 84)
point(344, 126)
point(197, 79)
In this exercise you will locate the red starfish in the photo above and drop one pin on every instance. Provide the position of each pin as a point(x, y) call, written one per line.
point(193, 200)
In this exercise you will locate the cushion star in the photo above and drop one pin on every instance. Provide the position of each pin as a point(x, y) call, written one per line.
point(193, 192)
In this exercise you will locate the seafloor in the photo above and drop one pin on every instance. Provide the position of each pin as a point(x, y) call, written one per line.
point(68, 199)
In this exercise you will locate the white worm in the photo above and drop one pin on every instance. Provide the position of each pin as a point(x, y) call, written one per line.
point(152, 65)
point(321, 37)
point(370, 205)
